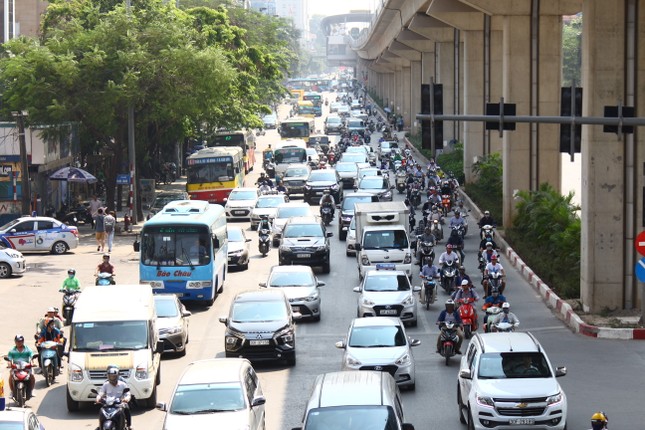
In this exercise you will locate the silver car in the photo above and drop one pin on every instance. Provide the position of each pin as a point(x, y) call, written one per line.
point(267, 204)
point(300, 286)
point(378, 186)
point(283, 213)
point(172, 322)
point(380, 343)
point(387, 292)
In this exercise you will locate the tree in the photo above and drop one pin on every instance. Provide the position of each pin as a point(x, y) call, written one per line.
point(572, 52)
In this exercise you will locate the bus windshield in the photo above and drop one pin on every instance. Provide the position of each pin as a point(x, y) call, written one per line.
point(179, 245)
point(295, 129)
point(217, 171)
point(290, 155)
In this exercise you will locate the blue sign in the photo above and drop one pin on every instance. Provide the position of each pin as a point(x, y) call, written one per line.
point(640, 269)
point(123, 179)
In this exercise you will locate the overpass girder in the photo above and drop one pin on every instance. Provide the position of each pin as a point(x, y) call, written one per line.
point(415, 41)
point(431, 28)
point(404, 51)
point(523, 7)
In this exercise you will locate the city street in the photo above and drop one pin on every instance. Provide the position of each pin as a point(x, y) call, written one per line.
point(601, 373)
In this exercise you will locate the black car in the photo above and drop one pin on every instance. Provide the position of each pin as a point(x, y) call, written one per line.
point(346, 212)
point(260, 326)
point(321, 180)
point(305, 241)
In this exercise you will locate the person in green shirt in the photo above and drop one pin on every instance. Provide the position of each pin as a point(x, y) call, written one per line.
point(21, 352)
point(71, 283)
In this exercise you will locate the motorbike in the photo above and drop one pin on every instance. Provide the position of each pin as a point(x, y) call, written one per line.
point(503, 327)
point(326, 214)
point(429, 291)
point(264, 238)
point(449, 340)
point(446, 204)
point(467, 315)
point(69, 302)
point(48, 352)
point(491, 313)
point(401, 180)
point(412, 221)
point(104, 278)
point(436, 230)
point(265, 189)
point(112, 415)
point(494, 283)
point(20, 374)
point(415, 197)
point(269, 168)
point(448, 273)
point(487, 231)
point(426, 249)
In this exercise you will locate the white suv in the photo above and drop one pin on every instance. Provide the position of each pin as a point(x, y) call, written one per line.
point(506, 381)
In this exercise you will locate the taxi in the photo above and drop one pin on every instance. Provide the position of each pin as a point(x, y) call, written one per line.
point(19, 419)
point(33, 234)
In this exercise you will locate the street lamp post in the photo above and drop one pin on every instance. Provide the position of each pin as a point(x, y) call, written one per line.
point(24, 165)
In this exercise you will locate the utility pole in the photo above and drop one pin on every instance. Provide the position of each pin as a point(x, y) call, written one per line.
point(24, 165)
point(134, 213)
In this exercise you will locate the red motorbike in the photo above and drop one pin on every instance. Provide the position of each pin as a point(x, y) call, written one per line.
point(468, 316)
point(446, 204)
point(449, 339)
point(20, 374)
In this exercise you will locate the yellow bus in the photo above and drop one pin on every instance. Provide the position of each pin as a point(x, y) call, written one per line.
point(245, 139)
point(306, 109)
point(213, 172)
point(297, 127)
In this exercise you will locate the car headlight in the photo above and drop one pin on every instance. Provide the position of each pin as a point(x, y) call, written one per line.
point(485, 401)
point(334, 186)
point(387, 194)
point(367, 302)
point(409, 300)
point(312, 298)
point(284, 248)
point(347, 219)
point(141, 371)
point(321, 248)
point(556, 398)
point(404, 360)
point(407, 259)
point(236, 252)
point(351, 361)
point(170, 330)
point(365, 261)
point(285, 336)
point(231, 342)
point(75, 373)
point(199, 284)
point(307, 187)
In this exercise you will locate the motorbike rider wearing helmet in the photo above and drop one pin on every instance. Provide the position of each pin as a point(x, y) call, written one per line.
point(494, 300)
point(21, 352)
point(52, 313)
point(446, 257)
point(466, 292)
point(71, 283)
point(114, 387)
point(51, 333)
point(599, 421)
point(264, 180)
point(327, 200)
point(462, 276)
point(427, 236)
point(450, 314)
point(487, 219)
point(489, 251)
point(428, 271)
point(457, 220)
point(506, 316)
point(494, 267)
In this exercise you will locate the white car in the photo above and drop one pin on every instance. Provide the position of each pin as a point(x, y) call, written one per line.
point(283, 213)
point(172, 322)
point(266, 205)
point(380, 343)
point(387, 292)
point(313, 155)
point(350, 239)
point(12, 262)
point(506, 380)
point(19, 419)
point(219, 393)
point(240, 203)
point(32, 234)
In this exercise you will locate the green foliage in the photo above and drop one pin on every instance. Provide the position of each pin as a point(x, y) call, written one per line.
point(572, 52)
point(453, 161)
point(486, 191)
point(546, 225)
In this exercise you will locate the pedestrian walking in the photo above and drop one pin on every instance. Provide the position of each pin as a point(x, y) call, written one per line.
point(99, 223)
point(95, 204)
point(110, 223)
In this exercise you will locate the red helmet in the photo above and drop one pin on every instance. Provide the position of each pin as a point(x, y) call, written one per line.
point(494, 257)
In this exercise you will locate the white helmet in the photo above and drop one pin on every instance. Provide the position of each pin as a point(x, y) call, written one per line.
point(506, 305)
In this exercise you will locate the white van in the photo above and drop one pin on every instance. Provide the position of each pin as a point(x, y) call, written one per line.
point(114, 325)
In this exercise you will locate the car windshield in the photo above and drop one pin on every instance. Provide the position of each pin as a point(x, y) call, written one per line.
point(495, 365)
point(352, 417)
point(166, 308)
point(396, 239)
point(288, 212)
point(243, 195)
point(376, 336)
point(322, 175)
point(354, 124)
point(354, 157)
point(207, 398)
point(379, 183)
point(10, 224)
point(349, 201)
point(356, 149)
point(259, 311)
point(387, 283)
point(299, 171)
point(235, 235)
point(11, 425)
point(291, 279)
point(346, 167)
point(303, 230)
point(333, 120)
point(109, 336)
point(162, 201)
point(269, 202)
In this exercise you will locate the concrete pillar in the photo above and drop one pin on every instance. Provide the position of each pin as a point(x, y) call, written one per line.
point(473, 98)
point(398, 88)
point(602, 276)
point(446, 76)
point(531, 147)
point(406, 95)
point(496, 84)
point(415, 97)
point(428, 63)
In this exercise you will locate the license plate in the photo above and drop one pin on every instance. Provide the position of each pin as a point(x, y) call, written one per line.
point(179, 294)
point(259, 342)
point(388, 312)
point(303, 255)
point(319, 193)
point(295, 308)
point(521, 421)
point(239, 212)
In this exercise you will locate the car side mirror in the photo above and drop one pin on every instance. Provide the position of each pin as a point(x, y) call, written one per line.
point(329, 234)
point(257, 401)
point(415, 342)
point(247, 240)
point(223, 320)
point(465, 374)
point(560, 371)
point(162, 406)
point(416, 289)
point(407, 426)
point(357, 246)
point(356, 289)
point(320, 284)
point(159, 347)
point(186, 313)
point(340, 344)
point(263, 284)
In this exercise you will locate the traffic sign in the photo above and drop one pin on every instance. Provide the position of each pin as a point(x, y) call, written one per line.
point(640, 270)
point(639, 243)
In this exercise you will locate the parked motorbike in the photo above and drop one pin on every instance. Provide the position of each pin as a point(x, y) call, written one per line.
point(104, 278)
point(429, 290)
point(112, 414)
point(264, 231)
point(69, 302)
point(448, 273)
point(20, 374)
point(449, 340)
point(48, 352)
point(467, 315)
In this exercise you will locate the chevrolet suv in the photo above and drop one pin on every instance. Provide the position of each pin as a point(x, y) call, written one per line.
point(321, 180)
point(305, 241)
point(506, 380)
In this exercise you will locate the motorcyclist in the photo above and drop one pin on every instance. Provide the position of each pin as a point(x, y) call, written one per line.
point(51, 333)
point(427, 236)
point(506, 316)
point(264, 223)
point(464, 293)
point(327, 200)
point(457, 241)
point(71, 283)
point(105, 267)
point(484, 243)
point(462, 275)
point(279, 187)
point(448, 256)
point(267, 154)
point(599, 421)
point(428, 271)
point(487, 219)
point(450, 314)
point(52, 313)
point(494, 267)
point(264, 180)
point(494, 300)
point(114, 387)
point(21, 352)
point(457, 220)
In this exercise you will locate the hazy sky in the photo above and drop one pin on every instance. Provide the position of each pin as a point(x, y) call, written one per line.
point(336, 7)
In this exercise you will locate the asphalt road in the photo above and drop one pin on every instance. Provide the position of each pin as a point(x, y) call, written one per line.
point(603, 374)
